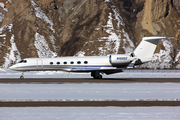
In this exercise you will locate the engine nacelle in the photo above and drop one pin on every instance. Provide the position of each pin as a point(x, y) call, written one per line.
point(120, 60)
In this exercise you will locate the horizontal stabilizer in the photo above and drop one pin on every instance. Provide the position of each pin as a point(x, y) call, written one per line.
point(131, 65)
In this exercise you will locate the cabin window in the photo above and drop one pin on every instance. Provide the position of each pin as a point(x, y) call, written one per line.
point(85, 62)
point(79, 62)
point(65, 63)
point(51, 63)
point(72, 62)
point(58, 63)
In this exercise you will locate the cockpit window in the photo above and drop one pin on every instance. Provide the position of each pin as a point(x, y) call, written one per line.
point(23, 61)
point(132, 55)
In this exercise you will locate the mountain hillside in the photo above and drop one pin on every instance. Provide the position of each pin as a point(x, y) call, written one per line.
point(49, 28)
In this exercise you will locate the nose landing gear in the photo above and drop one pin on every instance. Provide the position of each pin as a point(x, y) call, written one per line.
point(22, 75)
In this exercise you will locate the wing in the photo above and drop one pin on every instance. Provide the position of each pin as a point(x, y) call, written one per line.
point(105, 70)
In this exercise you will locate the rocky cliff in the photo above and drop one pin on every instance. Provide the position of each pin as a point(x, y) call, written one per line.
point(48, 28)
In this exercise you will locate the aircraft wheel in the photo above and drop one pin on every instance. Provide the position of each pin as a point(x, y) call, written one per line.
point(98, 77)
point(21, 77)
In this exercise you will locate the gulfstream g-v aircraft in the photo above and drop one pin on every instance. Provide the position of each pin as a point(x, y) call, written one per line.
point(97, 65)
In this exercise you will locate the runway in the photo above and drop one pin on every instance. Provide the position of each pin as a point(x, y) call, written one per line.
point(89, 92)
point(82, 98)
point(89, 80)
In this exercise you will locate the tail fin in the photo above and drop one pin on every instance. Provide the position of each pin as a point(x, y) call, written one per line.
point(146, 48)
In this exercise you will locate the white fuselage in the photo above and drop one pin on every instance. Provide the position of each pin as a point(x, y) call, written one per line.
point(73, 64)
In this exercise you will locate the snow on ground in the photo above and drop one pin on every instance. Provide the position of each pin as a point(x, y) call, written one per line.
point(10, 1)
point(113, 41)
point(42, 47)
point(162, 59)
point(2, 6)
point(115, 28)
point(113, 38)
point(40, 14)
point(14, 55)
point(90, 113)
point(1, 17)
point(52, 39)
point(2, 29)
point(93, 91)
point(177, 59)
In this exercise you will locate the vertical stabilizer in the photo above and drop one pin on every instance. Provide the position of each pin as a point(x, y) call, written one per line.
point(146, 48)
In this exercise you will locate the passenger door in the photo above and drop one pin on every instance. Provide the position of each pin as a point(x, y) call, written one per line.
point(39, 64)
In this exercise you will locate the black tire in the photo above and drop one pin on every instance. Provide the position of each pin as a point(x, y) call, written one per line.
point(99, 77)
point(21, 77)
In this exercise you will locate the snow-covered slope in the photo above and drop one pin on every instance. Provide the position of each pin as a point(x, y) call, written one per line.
point(13, 55)
point(116, 36)
point(84, 28)
point(162, 59)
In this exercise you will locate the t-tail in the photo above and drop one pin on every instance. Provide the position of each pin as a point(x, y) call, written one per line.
point(145, 50)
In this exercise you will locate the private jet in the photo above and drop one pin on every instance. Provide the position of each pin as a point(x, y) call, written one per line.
point(96, 65)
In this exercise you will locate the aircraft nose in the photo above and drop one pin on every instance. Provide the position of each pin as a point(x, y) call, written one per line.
point(13, 67)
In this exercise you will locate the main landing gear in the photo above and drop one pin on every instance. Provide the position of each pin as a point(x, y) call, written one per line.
point(96, 75)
